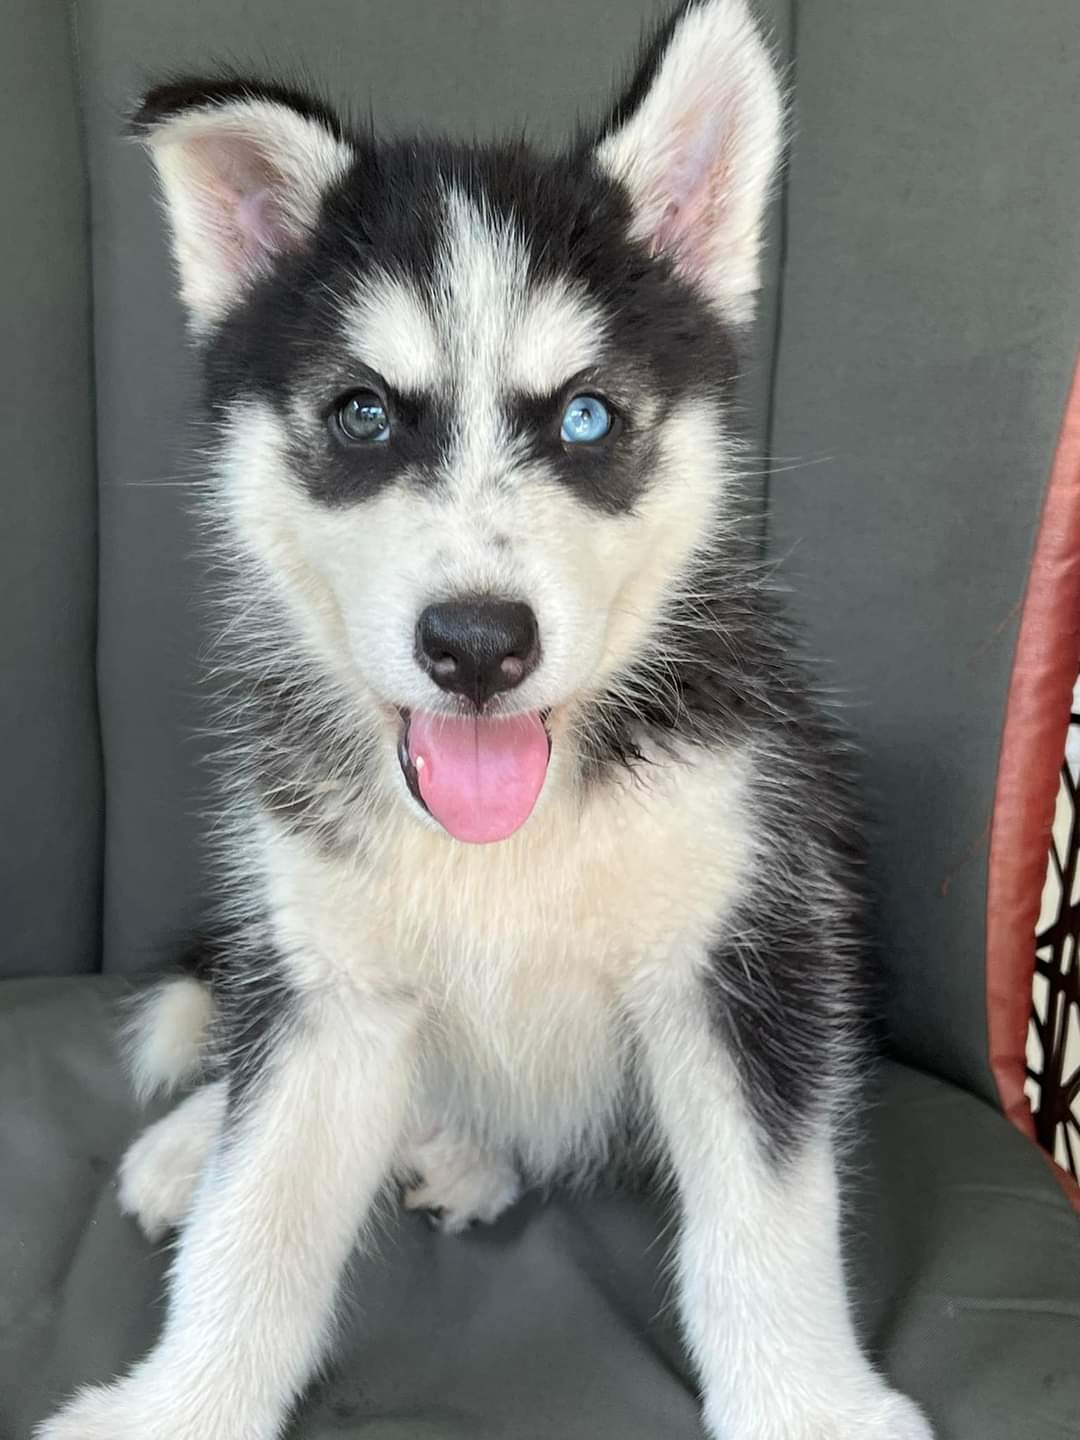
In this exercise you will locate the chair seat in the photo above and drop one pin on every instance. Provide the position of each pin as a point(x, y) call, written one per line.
point(554, 1323)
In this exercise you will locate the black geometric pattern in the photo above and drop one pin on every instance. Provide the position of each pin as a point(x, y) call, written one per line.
point(1053, 1049)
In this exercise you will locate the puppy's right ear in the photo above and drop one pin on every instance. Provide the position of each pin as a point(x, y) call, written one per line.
point(243, 168)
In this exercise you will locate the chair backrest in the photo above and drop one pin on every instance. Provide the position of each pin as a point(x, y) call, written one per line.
point(924, 301)
point(930, 315)
point(50, 769)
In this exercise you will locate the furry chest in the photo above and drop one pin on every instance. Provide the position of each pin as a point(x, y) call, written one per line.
point(520, 989)
point(527, 1044)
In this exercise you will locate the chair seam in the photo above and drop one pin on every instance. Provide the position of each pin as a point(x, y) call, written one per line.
point(91, 315)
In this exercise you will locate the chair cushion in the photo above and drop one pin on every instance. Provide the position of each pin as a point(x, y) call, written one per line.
point(965, 1257)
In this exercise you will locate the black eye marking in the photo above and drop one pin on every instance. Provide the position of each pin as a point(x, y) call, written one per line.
point(597, 454)
point(578, 417)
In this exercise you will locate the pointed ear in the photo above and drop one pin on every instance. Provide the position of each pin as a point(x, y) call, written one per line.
point(243, 169)
point(696, 140)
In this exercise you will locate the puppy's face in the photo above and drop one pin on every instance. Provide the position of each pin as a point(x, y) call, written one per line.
point(469, 401)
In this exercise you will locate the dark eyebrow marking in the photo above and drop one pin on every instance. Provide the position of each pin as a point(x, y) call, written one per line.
point(584, 382)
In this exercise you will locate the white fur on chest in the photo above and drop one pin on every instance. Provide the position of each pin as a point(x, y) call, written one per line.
point(520, 953)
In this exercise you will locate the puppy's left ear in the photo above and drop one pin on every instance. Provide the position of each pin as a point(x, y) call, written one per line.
point(696, 140)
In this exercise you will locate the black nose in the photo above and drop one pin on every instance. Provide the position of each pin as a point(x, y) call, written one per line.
point(478, 648)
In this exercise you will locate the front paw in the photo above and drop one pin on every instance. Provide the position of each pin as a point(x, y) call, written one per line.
point(887, 1415)
point(146, 1406)
point(101, 1412)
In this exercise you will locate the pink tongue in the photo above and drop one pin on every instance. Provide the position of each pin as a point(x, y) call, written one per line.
point(479, 778)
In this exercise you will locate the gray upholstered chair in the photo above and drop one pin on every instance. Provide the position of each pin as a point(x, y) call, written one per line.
point(907, 382)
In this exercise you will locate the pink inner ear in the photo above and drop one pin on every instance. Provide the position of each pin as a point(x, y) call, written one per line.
point(695, 185)
point(238, 186)
point(259, 221)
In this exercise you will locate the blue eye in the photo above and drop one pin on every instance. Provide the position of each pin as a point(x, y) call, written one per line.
point(362, 417)
point(585, 420)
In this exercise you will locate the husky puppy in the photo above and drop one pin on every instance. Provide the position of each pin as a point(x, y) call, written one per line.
point(536, 837)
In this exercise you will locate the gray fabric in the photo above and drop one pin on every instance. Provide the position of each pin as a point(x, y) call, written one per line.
point(480, 70)
point(50, 782)
point(965, 1257)
point(930, 317)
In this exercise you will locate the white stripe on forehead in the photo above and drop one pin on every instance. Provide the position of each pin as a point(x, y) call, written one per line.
point(503, 333)
point(483, 332)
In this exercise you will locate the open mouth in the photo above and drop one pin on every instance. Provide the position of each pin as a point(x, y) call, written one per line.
point(479, 776)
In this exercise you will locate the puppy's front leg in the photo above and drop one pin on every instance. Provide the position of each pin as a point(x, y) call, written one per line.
point(760, 1278)
point(309, 1141)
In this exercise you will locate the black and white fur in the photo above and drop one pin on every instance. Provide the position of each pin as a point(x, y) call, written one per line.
point(671, 945)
